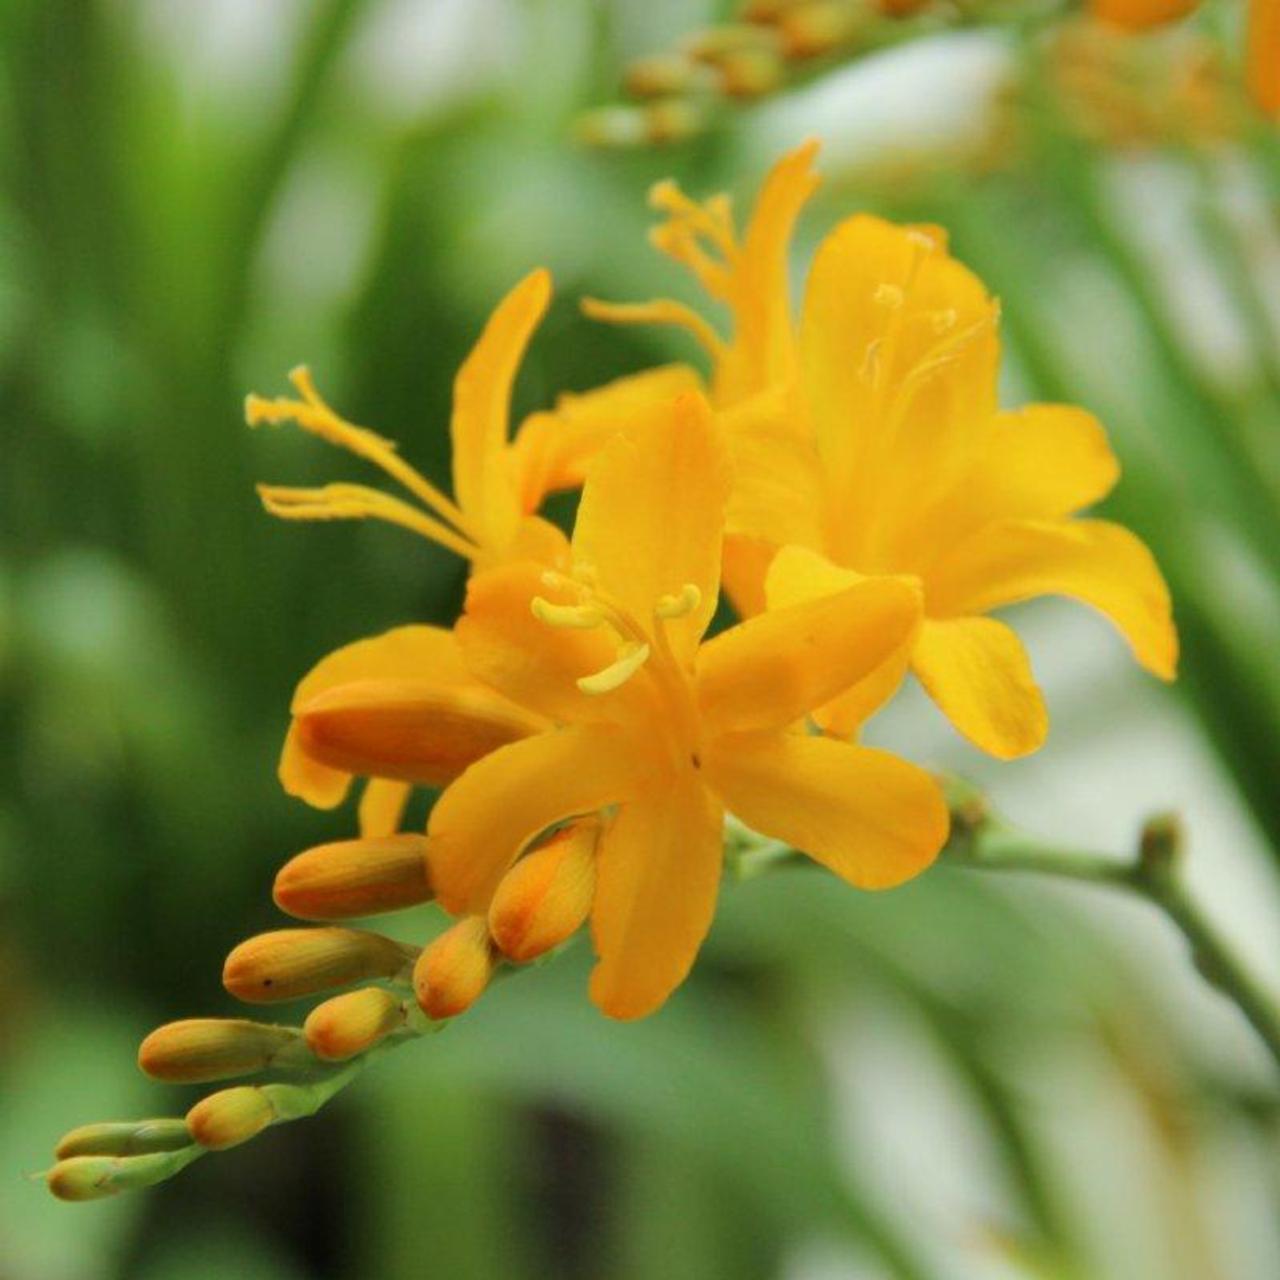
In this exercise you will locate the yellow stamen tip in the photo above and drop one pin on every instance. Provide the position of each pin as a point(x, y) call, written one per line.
point(889, 295)
point(630, 659)
point(680, 605)
point(576, 616)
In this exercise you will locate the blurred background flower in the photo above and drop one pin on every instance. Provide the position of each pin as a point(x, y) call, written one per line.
point(971, 1077)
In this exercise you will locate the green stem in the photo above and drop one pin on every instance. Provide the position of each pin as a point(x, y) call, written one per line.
point(981, 840)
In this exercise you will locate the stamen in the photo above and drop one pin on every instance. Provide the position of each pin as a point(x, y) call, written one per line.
point(356, 502)
point(712, 219)
point(658, 311)
point(679, 241)
point(576, 616)
point(313, 414)
point(679, 605)
point(631, 657)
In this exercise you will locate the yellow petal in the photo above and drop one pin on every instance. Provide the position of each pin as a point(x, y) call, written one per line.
point(977, 671)
point(1094, 561)
point(798, 575)
point(744, 564)
point(485, 818)
point(657, 874)
point(899, 355)
point(772, 669)
point(382, 806)
point(404, 652)
point(1041, 462)
point(652, 516)
point(413, 730)
point(763, 350)
point(552, 450)
point(867, 815)
point(536, 665)
point(483, 479)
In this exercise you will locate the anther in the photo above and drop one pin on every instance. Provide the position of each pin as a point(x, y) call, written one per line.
point(889, 295)
point(577, 616)
point(680, 605)
point(631, 657)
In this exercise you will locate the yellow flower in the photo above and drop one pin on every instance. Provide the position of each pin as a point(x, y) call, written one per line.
point(662, 733)
point(381, 708)
point(872, 446)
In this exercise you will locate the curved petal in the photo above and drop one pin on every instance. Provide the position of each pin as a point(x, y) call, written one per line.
point(656, 882)
point(870, 817)
point(484, 819)
point(899, 354)
point(1041, 462)
point(772, 669)
point(382, 806)
point(977, 671)
point(552, 450)
point(483, 478)
point(744, 565)
point(412, 730)
point(763, 350)
point(652, 516)
point(534, 664)
point(403, 653)
point(1094, 561)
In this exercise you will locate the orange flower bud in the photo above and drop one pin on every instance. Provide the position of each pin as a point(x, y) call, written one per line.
point(810, 30)
point(1262, 54)
point(1136, 15)
point(289, 963)
point(664, 73)
point(453, 970)
point(547, 895)
point(355, 878)
point(200, 1049)
point(123, 1138)
point(230, 1117)
point(351, 1023)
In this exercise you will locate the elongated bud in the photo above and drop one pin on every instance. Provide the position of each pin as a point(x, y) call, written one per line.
point(96, 1177)
point(454, 969)
point(124, 1138)
point(355, 878)
point(230, 1117)
point(289, 963)
point(351, 1023)
point(201, 1049)
point(810, 30)
point(547, 895)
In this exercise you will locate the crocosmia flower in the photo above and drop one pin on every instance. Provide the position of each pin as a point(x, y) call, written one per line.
point(872, 446)
point(660, 732)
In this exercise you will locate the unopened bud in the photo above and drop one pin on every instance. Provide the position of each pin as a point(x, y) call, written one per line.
point(663, 74)
point(97, 1177)
point(810, 30)
point(750, 73)
point(289, 963)
point(547, 895)
point(355, 878)
point(123, 1138)
point(230, 1117)
point(201, 1049)
point(454, 969)
point(351, 1023)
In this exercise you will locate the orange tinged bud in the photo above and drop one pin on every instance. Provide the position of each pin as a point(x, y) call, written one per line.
point(200, 1049)
point(810, 30)
point(289, 963)
point(355, 878)
point(351, 1023)
point(547, 895)
point(1262, 54)
point(95, 1177)
point(663, 74)
point(453, 970)
point(414, 730)
point(230, 1117)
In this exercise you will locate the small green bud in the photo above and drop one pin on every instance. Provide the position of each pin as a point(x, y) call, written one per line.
point(124, 1138)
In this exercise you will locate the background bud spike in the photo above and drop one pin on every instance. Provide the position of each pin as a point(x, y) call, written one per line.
point(355, 878)
point(289, 963)
point(124, 1138)
point(349, 1024)
point(196, 1050)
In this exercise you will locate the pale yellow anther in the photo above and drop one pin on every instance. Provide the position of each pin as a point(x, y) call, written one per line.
point(631, 657)
point(680, 605)
point(944, 320)
point(921, 239)
point(575, 616)
point(889, 295)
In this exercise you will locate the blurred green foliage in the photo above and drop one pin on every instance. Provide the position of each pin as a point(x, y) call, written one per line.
point(195, 200)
